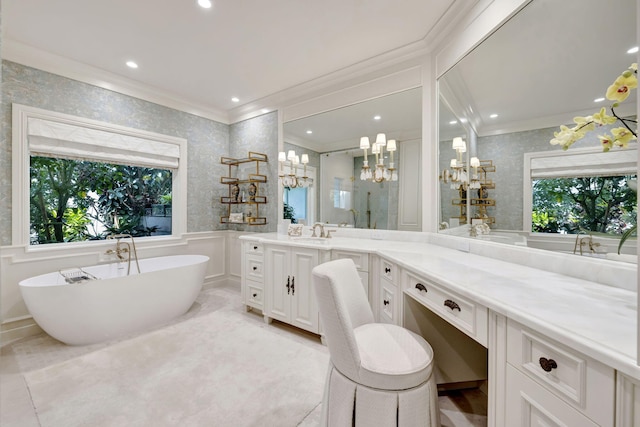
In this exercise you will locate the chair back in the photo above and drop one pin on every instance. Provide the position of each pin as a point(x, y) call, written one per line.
point(343, 306)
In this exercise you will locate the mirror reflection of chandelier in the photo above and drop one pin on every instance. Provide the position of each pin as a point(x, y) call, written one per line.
point(459, 175)
point(292, 160)
point(380, 172)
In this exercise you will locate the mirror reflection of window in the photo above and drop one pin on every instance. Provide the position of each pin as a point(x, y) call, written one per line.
point(602, 204)
point(296, 198)
point(341, 198)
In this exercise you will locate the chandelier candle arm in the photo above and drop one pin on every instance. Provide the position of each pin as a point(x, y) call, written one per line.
point(292, 160)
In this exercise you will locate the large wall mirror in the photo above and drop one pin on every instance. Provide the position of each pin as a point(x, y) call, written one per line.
point(549, 63)
point(332, 143)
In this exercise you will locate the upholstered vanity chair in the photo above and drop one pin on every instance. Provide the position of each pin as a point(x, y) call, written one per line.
point(379, 374)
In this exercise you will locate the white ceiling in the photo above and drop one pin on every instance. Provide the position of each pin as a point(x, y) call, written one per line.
point(249, 49)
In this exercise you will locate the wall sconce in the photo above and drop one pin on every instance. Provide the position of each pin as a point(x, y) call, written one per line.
point(292, 160)
point(460, 146)
point(474, 162)
point(380, 173)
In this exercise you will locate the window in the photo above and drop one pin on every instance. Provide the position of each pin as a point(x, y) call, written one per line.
point(78, 179)
point(74, 200)
point(341, 198)
point(582, 190)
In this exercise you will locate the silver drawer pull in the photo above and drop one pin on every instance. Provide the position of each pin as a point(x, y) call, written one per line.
point(452, 305)
point(547, 364)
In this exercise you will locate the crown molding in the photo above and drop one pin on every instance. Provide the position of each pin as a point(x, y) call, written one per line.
point(46, 61)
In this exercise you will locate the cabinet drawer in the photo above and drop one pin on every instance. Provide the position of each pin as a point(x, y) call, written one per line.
point(466, 315)
point(528, 404)
point(360, 259)
point(254, 267)
point(584, 383)
point(387, 302)
point(254, 296)
point(254, 248)
point(388, 270)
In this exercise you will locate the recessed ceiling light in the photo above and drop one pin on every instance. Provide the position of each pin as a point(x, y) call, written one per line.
point(235, 99)
point(265, 110)
point(376, 117)
point(206, 4)
point(493, 116)
point(598, 100)
point(309, 132)
point(633, 50)
point(463, 120)
point(132, 64)
point(453, 122)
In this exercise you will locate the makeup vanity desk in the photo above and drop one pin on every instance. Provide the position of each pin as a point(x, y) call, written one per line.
point(547, 333)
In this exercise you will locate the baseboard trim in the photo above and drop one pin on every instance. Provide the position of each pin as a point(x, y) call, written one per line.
point(18, 329)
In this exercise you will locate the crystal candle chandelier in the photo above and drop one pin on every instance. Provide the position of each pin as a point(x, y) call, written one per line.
point(379, 172)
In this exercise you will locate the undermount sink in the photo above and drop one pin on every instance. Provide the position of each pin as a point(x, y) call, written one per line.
point(309, 239)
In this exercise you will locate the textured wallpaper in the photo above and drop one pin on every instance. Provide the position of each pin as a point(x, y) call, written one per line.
point(259, 134)
point(207, 140)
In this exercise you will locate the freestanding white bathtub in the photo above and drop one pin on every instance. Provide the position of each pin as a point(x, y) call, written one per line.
point(114, 304)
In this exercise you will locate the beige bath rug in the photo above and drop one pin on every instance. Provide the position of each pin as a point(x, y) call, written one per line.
point(222, 369)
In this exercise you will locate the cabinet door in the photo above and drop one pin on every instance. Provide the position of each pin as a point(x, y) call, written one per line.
point(277, 276)
point(304, 309)
point(528, 405)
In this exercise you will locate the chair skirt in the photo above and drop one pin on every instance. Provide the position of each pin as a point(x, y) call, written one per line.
point(347, 404)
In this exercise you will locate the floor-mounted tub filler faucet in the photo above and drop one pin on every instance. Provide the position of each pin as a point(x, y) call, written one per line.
point(123, 250)
point(585, 241)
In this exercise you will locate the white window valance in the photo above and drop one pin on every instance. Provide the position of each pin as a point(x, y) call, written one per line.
point(59, 139)
point(584, 163)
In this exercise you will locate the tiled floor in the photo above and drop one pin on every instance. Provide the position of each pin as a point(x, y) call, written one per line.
point(458, 409)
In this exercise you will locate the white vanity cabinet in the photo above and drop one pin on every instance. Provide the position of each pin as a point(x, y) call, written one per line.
point(463, 313)
point(550, 384)
point(288, 291)
point(361, 260)
point(627, 401)
point(252, 278)
point(385, 300)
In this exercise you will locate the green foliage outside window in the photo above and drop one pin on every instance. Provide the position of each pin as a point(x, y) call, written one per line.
point(289, 213)
point(72, 200)
point(592, 204)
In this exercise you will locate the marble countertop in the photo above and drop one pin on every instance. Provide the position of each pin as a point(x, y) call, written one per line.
point(597, 320)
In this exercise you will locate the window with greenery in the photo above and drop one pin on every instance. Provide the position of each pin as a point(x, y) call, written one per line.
point(73, 200)
point(603, 204)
